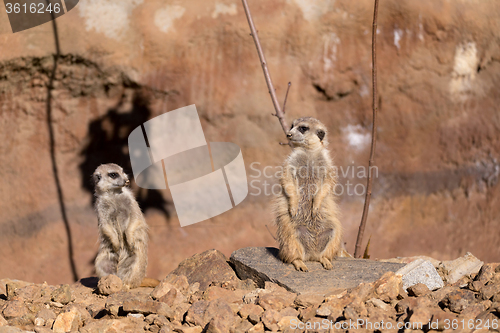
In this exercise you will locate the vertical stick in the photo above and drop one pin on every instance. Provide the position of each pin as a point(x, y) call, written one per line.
point(359, 240)
point(267, 75)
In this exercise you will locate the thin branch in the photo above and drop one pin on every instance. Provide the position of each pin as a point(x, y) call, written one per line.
point(359, 240)
point(286, 96)
point(279, 113)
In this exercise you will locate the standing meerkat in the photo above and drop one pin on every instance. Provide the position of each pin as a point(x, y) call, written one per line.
point(306, 210)
point(123, 232)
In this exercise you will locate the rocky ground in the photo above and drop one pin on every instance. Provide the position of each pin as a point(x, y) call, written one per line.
point(204, 294)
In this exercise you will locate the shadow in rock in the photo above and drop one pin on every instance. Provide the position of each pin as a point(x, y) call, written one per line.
point(108, 143)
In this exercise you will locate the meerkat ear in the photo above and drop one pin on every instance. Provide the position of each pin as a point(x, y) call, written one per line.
point(321, 135)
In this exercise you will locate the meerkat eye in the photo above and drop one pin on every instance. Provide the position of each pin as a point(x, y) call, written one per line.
point(113, 175)
point(303, 129)
point(97, 178)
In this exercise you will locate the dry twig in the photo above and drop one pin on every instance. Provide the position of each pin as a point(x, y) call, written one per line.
point(359, 240)
point(279, 113)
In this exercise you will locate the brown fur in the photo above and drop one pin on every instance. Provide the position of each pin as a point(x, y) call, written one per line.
point(306, 210)
point(123, 232)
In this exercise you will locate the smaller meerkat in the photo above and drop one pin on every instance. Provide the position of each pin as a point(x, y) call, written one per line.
point(123, 232)
point(306, 210)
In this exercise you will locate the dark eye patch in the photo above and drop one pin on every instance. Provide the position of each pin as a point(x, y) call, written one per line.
point(113, 175)
point(303, 129)
point(97, 178)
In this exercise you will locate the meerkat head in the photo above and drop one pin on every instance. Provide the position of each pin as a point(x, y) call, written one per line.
point(308, 133)
point(109, 178)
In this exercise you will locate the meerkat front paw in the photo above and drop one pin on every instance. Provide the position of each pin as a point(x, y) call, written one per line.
point(294, 210)
point(326, 263)
point(299, 265)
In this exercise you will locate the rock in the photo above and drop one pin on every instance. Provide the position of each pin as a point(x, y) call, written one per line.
point(486, 273)
point(407, 260)
point(113, 326)
point(466, 265)
point(205, 268)
point(276, 300)
point(388, 287)
point(12, 285)
point(10, 329)
point(30, 292)
point(243, 326)
point(220, 313)
point(229, 296)
point(162, 289)
point(258, 328)
point(490, 290)
point(287, 322)
point(270, 319)
point(15, 308)
point(195, 314)
point(253, 296)
point(147, 307)
point(262, 264)
point(441, 319)
point(46, 316)
point(378, 303)
point(418, 289)
point(250, 309)
point(3, 322)
point(305, 300)
point(67, 321)
point(420, 271)
point(458, 300)
point(109, 284)
point(62, 294)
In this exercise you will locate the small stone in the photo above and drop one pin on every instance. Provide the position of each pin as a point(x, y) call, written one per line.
point(305, 300)
point(458, 300)
point(418, 289)
point(12, 285)
point(162, 289)
point(47, 316)
point(67, 322)
point(270, 319)
point(205, 268)
point(147, 307)
point(62, 294)
point(139, 316)
point(109, 285)
point(466, 265)
point(258, 328)
point(486, 273)
point(388, 287)
point(307, 313)
point(15, 308)
point(378, 303)
point(441, 319)
point(490, 290)
point(39, 322)
point(248, 309)
point(476, 285)
point(276, 300)
point(420, 271)
point(243, 327)
point(196, 312)
point(253, 296)
point(287, 322)
point(289, 311)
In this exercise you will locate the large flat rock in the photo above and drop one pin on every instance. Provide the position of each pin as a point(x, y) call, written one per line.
point(262, 264)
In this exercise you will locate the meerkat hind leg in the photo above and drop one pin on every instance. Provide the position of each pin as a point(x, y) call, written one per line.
point(324, 238)
point(105, 262)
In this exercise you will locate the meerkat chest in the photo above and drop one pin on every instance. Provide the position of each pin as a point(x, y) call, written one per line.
point(115, 210)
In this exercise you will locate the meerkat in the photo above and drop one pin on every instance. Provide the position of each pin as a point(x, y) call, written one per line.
point(307, 215)
point(123, 232)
